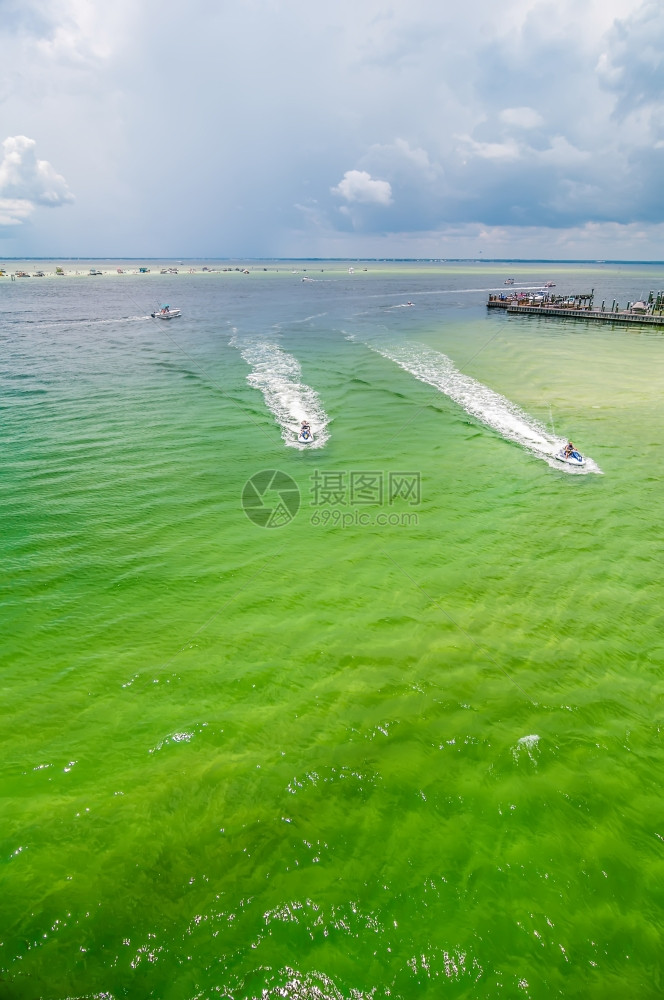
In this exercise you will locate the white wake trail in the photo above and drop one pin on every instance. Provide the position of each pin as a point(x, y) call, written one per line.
point(278, 376)
point(484, 404)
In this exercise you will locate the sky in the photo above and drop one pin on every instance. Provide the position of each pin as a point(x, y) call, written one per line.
point(359, 128)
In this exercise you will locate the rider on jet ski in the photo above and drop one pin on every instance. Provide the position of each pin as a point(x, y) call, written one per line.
point(305, 429)
point(569, 449)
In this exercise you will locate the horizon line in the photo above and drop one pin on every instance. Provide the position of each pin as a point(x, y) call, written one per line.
point(365, 260)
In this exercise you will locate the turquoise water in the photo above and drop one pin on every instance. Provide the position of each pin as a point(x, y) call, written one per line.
point(406, 748)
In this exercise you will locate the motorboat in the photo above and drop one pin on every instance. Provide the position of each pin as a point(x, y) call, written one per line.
point(574, 458)
point(549, 284)
point(305, 436)
point(508, 281)
point(165, 313)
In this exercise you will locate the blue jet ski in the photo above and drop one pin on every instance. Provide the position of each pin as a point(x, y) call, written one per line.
point(574, 457)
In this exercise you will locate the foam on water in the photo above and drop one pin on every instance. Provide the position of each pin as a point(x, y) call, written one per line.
point(528, 745)
point(83, 321)
point(484, 404)
point(279, 377)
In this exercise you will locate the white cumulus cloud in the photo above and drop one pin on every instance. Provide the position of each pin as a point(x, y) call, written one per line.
point(521, 117)
point(360, 186)
point(508, 150)
point(26, 182)
point(13, 211)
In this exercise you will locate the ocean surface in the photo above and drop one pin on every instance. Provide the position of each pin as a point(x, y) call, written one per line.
point(378, 716)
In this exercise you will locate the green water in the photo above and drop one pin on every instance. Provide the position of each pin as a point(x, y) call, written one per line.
point(413, 759)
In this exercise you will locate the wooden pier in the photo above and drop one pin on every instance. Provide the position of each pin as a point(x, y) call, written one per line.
point(525, 308)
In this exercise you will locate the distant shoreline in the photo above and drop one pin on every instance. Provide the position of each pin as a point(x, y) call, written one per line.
point(330, 260)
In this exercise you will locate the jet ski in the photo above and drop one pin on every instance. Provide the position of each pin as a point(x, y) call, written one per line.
point(305, 436)
point(574, 457)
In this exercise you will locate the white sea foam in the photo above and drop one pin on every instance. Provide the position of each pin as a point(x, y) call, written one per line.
point(484, 404)
point(279, 377)
point(527, 744)
point(86, 321)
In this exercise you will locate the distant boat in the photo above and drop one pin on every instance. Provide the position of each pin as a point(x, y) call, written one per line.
point(508, 281)
point(549, 284)
point(94, 272)
point(351, 270)
point(165, 313)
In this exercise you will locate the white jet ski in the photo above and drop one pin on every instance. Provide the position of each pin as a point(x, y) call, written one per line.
point(574, 458)
point(305, 436)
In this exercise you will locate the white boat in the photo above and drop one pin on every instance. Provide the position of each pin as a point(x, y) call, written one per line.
point(165, 313)
point(549, 284)
point(574, 458)
point(508, 281)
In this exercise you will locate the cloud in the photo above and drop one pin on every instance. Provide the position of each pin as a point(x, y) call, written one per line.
point(26, 182)
point(14, 211)
point(632, 65)
point(359, 186)
point(400, 162)
point(521, 117)
point(508, 150)
point(560, 106)
point(22, 175)
point(561, 153)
